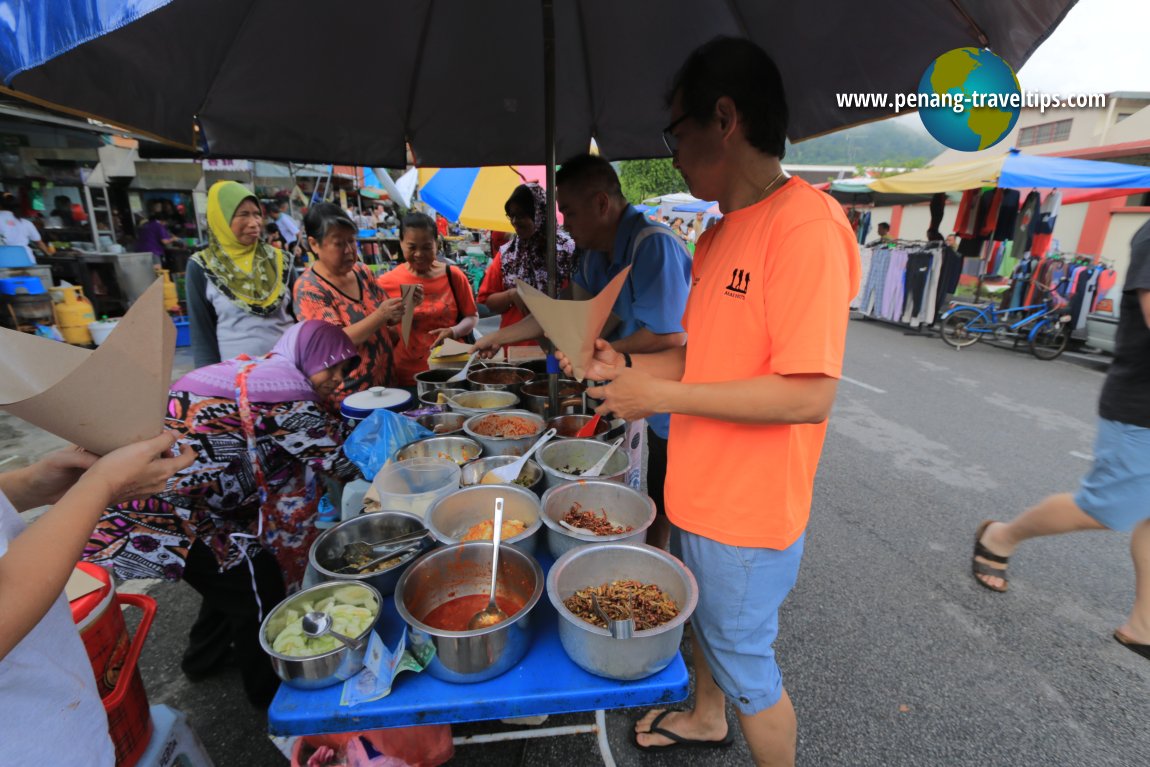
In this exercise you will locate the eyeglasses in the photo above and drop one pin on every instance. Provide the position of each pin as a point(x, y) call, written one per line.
point(669, 137)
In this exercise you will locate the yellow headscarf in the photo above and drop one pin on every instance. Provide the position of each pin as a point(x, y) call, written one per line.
point(253, 277)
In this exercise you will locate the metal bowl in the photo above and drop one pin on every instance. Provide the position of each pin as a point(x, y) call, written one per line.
point(445, 423)
point(624, 506)
point(435, 379)
point(453, 448)
point(476, 402)
point(567, 426)
point(594, 649)
point(451, 517)
point(504, 445)
point(580, 454)
point(536, 396)
point(463, 570)
point(499, 378)
point(432, 397)
point(329, 668)
point(326, 554)
point(531, 473)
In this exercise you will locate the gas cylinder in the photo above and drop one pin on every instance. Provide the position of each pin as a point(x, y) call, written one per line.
point(171, 298)
point(73, 313)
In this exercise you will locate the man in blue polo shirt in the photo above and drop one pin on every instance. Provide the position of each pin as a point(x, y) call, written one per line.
point(649, 311)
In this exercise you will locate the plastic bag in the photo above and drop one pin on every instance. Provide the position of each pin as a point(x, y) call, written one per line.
point(424, 746)
point(374, 441)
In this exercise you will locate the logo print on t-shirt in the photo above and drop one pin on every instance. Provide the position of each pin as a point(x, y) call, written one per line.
point(740, 281)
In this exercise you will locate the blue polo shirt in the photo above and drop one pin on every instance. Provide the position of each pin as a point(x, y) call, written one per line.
point(655, 293)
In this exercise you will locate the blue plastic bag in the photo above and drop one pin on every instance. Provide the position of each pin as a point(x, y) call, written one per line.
point(376, 439)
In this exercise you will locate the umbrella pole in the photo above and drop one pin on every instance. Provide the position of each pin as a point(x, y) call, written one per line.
point(549, 139)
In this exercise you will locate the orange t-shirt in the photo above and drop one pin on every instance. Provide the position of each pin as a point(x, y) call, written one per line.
point(437, 310)
point(770, 292)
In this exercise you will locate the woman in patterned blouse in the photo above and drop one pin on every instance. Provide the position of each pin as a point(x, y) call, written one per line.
point(244, 512)
point(338, 288)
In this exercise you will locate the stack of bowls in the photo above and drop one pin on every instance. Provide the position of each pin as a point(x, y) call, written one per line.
point(442, 424)
point(435, 379)
point(499, 378)
point(495, 445)
point(326, 669)
point(459, 449)
point(476, 402)
point(558, 457)
point(593, 648)
point(531, 473)
point(536, 395)
point(452, 516)
point(465, 570)
point(624, 506)
point(326, 555)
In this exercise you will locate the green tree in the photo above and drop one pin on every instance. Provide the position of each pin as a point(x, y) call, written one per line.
point(643, 179)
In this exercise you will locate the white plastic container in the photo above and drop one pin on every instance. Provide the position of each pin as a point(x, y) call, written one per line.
point(101, 329)
point(415, 484)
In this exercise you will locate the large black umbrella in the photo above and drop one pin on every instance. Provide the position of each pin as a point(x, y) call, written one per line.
point(462, 82)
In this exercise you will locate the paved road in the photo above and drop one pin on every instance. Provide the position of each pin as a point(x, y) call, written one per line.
point(892, 654)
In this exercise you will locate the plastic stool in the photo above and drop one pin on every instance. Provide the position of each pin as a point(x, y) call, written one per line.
point(174, 743)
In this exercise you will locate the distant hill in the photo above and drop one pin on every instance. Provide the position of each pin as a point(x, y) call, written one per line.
point(888, 143)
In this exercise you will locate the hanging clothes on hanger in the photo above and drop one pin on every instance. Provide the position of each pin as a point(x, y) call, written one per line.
point(1027, 217)
point(1044, 227)
point(1007, 215)
point(967, 212)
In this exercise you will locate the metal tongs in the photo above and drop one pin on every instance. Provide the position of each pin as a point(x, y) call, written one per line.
point(623, 629)
point(371, 554)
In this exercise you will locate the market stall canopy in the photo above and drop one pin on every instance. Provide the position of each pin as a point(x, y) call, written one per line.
point(196, 72)
point(1015, 170)
point(860, 191)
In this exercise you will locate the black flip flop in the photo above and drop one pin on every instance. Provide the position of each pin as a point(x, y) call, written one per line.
point(677, 741)
point(983, 568)
point(1130, 644)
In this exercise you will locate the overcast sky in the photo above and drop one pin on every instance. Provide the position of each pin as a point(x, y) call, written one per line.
point(1101, 46)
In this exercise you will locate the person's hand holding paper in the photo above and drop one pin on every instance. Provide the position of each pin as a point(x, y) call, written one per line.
point(573, 326)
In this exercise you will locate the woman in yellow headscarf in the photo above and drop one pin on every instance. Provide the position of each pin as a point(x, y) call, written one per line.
point(239, 289)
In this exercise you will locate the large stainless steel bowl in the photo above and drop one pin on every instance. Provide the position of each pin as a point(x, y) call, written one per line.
point(326, 554)
point(452, 448)
point(531, 473)
point(451, 517)
point(536, 395)
point(323, 670)
point(503, 445)
point(463, 570)
point(624, 506)
point(594, 649)
point(435, 379)
point(442, 423)
point(567, 426)
point(476, 402)
point(432, 397)
point(499, 378)
point(580, 454)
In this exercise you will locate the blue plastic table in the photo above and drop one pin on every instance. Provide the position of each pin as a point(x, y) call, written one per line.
point(545, 682)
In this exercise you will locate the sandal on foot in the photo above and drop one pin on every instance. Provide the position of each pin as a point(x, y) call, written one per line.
point(984, 568)
point(677, 741)
point(1130, 644)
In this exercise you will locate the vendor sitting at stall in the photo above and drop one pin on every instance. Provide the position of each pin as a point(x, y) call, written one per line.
point(447, 309)
point(338, 288)
point(524, 256)
point(232, 520)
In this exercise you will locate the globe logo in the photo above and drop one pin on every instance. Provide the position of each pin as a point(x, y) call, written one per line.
point(969, 99)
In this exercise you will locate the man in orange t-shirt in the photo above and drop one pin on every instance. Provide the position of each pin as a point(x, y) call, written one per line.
point(749, 394)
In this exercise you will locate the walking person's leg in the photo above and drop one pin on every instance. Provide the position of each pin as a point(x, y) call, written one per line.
point(1136, 629)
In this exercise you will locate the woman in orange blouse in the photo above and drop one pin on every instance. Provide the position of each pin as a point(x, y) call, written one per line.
point(448, 308)
point(339, 289)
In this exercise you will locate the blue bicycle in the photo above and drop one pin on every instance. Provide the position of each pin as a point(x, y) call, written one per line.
point(1045, 326)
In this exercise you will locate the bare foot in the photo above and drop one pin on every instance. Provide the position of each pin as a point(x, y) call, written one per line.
point(1131, 633)
point(685, 724)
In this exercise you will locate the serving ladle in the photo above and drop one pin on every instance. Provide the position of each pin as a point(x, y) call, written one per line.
point(462, 374)
point(491, 614)
point(316, 624)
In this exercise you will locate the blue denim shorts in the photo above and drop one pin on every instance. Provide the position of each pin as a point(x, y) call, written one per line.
point(1116, 492)
point(737, 619)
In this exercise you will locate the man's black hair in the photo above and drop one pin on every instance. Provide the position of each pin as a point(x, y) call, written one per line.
point(742, 71)
point(883, 223)
point(591, 171)
point(322, 217)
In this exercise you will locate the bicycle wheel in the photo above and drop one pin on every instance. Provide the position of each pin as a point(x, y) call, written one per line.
point(1049, 339)
point(955, 328)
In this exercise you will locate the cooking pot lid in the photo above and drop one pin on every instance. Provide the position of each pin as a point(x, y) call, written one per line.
point(375, 398)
